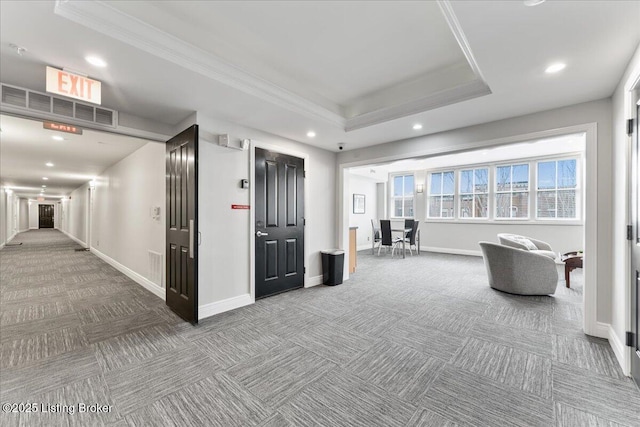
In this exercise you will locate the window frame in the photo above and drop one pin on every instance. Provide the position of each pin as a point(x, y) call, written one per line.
point(430, 173)
point(403, 197)
point(577, 188)
point(494, 197)
point(473, 193)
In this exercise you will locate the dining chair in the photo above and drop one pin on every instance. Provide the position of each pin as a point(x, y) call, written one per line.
point(408, 223)
point(411, 238)
point(375, 233)
point(387, 239)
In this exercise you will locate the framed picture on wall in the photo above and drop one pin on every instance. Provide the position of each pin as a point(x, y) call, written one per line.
point(358, 203)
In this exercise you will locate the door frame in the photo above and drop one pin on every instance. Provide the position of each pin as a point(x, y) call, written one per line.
point(88, 213)
point(252, 212)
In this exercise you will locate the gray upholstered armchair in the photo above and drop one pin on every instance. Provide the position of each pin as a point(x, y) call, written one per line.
point(527, 244)
point(519, 272)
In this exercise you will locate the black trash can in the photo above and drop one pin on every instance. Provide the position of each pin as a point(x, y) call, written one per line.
point(332, 266)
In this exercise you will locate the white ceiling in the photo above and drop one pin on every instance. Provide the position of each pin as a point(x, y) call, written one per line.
point(26, 147)
point(290, 67)
point(556, 146)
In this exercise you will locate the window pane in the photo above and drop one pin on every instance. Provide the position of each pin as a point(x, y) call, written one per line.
point(567, 173)
point(481, 206)
point(466, 181)
point(546, 175)
point(397, 207)
point(520, 177)
point(482, 181)
point(436, 183)
point(397, 186)
point(503, 204)
point(503, 178)
point(447, 187)
point(408, 207)
point(408, 185)
point(466, 206)
point(447, 207)
point(567, 204)
point(547, 204)
point(520, 205)
point(434, 207)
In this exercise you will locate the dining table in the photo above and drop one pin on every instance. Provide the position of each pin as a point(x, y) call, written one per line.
point(404, 232)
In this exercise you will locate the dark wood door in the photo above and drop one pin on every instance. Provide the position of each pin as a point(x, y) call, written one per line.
point(182, 224)
point(635, 251)
point(279, 223)
point(45, 216)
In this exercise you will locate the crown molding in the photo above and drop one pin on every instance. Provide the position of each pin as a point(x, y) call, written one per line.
point(107, 20)
point(104, 18)
point(439, 99)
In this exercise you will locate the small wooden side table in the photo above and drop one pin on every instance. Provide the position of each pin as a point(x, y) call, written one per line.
point(572, 260)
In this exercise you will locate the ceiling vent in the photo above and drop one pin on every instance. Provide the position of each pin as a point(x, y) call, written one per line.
point(54, 108)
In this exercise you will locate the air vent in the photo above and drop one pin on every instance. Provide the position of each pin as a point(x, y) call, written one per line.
point(155, 268)
point(54, 108)
point(39, 102)
point(14, 96)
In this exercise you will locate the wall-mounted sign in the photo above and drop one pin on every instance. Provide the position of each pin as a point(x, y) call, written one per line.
point(40, 199)
point(73, 85)
point(239, 206)
point(62, 127)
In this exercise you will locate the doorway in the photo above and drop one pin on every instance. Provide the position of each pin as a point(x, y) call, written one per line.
point(182, 224)
point(635, 250)
point(45, 216)
point(279, 222)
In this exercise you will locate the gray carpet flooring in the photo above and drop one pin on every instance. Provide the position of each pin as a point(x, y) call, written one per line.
point(422, 341)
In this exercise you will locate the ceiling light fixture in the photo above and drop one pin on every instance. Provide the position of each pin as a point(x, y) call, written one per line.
point(533, 2)
point(311, 134)
point(57, 138)
point(95, 61)
point(417, 126)
point(44, 186)
point(49, 164)
point(554, 68)
point(44, 178)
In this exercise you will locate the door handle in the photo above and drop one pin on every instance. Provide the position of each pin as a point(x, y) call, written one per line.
point(260, 234)
point(190, 238)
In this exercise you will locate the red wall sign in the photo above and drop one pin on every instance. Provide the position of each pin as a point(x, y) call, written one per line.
point(62, 127)
point(239, 206)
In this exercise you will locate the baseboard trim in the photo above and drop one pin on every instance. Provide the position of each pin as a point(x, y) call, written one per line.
point(1, 245)
point(619, 349)
point(228, 304)
point(451, 251)
point(136, 277)
point(11, 237)
point(364, 247)
point(35, 228)
point(313, 281)
point(22, 231)
point(601, 330)
point(74, 238)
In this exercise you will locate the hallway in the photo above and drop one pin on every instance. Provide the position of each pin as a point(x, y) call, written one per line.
point(430, 346)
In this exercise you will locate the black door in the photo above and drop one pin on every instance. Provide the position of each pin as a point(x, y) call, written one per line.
point(45, 217)
point(182, 224)
point(279, 223)
point(635, 251)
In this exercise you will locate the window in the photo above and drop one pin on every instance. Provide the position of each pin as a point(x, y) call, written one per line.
point(403, 196)
point(556, 189)
point(441, 195)
point(474, 193)
point(512, 191)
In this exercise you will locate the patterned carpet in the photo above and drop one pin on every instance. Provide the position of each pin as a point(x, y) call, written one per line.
point(417, 342)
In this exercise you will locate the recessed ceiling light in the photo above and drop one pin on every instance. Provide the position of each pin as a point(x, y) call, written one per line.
point(311, 134)
point(554, 68)
point(96, 61)
point(44, 178)
point(44, 186)
point(417, 126)
point(533, 2)
point(57, 138)
point(49, 164)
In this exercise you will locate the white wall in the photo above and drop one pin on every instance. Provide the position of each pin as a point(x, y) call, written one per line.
point(23, 215)
point(619, 259)
point(74, 216)
point(3, 217)
point(225, 252)
point(122, 227)
point(477, 136)
point(11, 222)
point(368, 187)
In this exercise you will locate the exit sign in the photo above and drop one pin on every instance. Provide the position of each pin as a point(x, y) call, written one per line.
point(62, 127)
point(73, 85)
